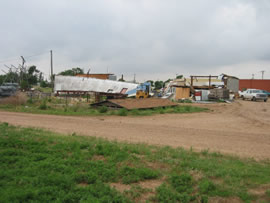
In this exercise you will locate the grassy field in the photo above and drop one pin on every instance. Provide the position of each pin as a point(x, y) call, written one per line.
point(41, 166)
point(58, 107)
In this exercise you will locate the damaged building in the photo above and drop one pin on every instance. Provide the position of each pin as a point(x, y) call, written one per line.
point(72, 85)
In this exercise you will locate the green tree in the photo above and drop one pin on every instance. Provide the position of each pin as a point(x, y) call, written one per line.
point(32, 75)
point(9, 77)
point(179, 76)
point(72, 72)
point(45, 83)
point(158, 84)
point(151, 81)
point(169, 80)
point(26, 79)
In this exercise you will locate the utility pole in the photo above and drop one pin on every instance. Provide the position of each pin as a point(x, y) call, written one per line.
point(263, 71)
point(52, 79)
point(252, 76)
point(23, 61)
point(22, 70)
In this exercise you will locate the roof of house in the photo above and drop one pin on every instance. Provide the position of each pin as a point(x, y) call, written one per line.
point(138, 103)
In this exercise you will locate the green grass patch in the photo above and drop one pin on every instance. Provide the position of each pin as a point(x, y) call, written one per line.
point(41, 166)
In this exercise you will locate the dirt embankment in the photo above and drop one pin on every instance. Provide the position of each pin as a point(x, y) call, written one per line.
point(241, 128)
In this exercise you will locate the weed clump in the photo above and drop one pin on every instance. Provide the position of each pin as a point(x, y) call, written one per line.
point(103, 109)
point(30, 101)
point(76, 108)
point(182, 183)
point(206, 187)
point(122, 112)
point(267, 193)
point(43, 105)
point(133, 175)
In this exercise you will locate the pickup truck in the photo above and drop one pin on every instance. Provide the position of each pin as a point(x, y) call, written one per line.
point(266, 92)
point(254, 95)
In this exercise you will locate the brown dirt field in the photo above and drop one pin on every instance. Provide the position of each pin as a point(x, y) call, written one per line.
point(241, 128)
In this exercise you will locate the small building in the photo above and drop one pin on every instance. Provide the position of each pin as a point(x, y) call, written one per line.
point(231, 83)
point(254, 84)
point(181, 92)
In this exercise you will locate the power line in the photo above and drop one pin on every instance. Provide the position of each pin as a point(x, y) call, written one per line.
point(4, 61)
point(18, 58)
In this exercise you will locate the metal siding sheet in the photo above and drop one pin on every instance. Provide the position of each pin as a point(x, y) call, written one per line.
point(254, 84)
point(71, 83)
point(233, 84)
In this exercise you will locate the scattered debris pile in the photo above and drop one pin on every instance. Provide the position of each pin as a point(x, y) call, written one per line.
point(135, 103)
point(218, 93)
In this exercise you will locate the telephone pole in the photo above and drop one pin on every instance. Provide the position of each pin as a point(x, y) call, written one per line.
point(52, 79)
point(263, 71)
point(22, 69)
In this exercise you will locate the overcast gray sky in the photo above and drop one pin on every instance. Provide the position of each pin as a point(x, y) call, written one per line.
point(154, 39)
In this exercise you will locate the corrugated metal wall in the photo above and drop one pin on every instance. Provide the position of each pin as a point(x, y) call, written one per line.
point(254, 84)
point(71, 83)
point(233, 84)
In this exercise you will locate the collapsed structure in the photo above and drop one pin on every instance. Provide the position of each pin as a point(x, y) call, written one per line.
point(202, 87)
point(130, 104)
point(71, 85)
point(196, 87)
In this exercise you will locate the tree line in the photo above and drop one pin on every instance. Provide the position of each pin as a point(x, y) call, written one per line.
point(33, 77)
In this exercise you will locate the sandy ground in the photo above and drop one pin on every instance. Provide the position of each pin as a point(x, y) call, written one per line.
point(241, 128)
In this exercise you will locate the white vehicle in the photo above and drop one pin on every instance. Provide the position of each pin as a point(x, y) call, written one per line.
point(241, 94)
point(254, 95)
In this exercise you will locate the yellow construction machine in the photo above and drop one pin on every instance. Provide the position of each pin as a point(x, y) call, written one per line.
point(143, 91)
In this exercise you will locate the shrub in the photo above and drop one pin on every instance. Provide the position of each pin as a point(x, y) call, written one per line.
point(184, 101)
point(182, 183)
point(43, 105)
point(103, 109)
point(133, 175)
point(267, 193)
point(166, 194)
point(122, 112)
point(206, 186)
point(30, 101)
point(75, 108)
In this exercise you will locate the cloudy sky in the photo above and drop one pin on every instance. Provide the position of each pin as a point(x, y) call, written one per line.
point(154, 39)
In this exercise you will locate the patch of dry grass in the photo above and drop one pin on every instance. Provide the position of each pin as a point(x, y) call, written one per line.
point(15, 100)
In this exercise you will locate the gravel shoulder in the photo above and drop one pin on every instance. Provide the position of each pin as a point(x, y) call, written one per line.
point(241, 128)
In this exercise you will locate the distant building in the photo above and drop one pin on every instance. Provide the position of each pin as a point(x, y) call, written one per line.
point(254, 84)
point(104, 76)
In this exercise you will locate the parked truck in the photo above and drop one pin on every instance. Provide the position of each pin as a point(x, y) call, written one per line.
point(8, 89)
point(254, 95)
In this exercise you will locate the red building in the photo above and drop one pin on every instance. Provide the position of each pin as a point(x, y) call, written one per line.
point(254, 84)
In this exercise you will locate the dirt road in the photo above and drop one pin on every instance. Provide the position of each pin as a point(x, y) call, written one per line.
point(241, 128)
